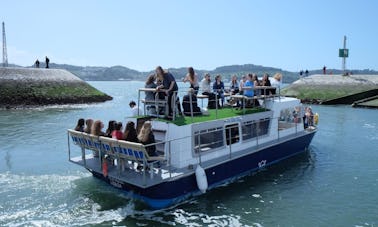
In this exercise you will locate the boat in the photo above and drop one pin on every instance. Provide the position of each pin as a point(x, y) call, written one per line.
point(196, 153)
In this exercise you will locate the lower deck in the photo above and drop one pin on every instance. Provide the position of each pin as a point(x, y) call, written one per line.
point(127, 171)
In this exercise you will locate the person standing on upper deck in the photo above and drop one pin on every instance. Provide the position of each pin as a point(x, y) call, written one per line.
point(193, 79)
point(168, 84)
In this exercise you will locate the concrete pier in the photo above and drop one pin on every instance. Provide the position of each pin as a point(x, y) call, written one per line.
point(27, 87)
point(323, 88)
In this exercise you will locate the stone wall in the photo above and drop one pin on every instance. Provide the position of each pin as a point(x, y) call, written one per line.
point(26, 87)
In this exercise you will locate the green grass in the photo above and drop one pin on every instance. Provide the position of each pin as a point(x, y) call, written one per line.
point(213, 115)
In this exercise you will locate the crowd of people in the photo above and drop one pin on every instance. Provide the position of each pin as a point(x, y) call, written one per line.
point(166, 86)
point(115, 131)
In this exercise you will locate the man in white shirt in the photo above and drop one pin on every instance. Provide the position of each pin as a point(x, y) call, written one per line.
point(205, 85)
point(135, 110)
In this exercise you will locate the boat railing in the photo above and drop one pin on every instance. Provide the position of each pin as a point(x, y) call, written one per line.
point(159, 104)
point(232, 135)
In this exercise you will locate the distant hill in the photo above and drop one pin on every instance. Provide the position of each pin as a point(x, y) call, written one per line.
point(124, 73)
point(98, 73)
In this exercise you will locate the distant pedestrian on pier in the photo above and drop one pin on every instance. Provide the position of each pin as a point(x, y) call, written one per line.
point(47, 62)
point(37, 64)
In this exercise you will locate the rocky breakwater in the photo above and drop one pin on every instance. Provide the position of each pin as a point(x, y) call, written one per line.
point(323, 88)
point(26, 87)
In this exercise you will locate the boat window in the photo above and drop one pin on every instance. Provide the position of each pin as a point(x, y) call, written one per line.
point(232, 133)
point(208, 139)
point(290, 117)
point(252, 129)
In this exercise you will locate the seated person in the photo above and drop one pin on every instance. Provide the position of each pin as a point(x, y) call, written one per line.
point(249, 92)
point(218, 87)
point(130, 133)
point(205, 85)
point(80, 125)
point(147, 137)
point(97, 128)
point(117, 133)
point(186, 104)
point(234, 85)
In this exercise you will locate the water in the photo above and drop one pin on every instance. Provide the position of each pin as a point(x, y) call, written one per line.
point(335, 183)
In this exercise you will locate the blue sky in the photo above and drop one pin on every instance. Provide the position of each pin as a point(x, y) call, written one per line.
point(291, 35)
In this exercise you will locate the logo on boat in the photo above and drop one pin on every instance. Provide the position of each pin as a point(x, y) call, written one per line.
point(262, 163)
point(115, 183)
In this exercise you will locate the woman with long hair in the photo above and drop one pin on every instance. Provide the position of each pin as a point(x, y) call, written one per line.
point(97, 128)
point(110, 129)
point(193, 80)
point(147, 137)
point(130, 133)
point(80, 125)
point(88, 125)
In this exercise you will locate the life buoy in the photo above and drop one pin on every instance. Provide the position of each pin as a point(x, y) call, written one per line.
point(316, 118)
point(201, 179)
point(105, 168)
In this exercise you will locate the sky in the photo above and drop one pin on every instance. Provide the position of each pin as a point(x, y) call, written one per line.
point(291, 35)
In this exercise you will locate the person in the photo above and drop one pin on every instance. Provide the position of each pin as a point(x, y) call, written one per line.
point(324, 70)
point(306, 73)
point(276, 82)
point(130, 133)
point(135, 110)
point(88, 125)
point(80, 125)
point(150, 95)
point(218, 87)
point(256, 83)
point(47, 62)
point(206, 90)
point(186, 104)
point(249, 83)
point(266, 83)
point(308, 117)
point(234, 85)
point(37, 63)
point(205, 84)
point(147, 137)
point(193, 79)
point(169, 85)
point(300, 74)
point(97, 128)
point(242, 84)
point(117, 132)
point(110, 129)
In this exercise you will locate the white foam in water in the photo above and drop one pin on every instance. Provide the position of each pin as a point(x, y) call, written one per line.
point(50, 200)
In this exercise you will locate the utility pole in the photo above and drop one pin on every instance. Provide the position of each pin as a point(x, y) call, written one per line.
point(5, 56)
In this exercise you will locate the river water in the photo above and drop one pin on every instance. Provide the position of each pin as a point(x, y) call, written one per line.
point(335, 183)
